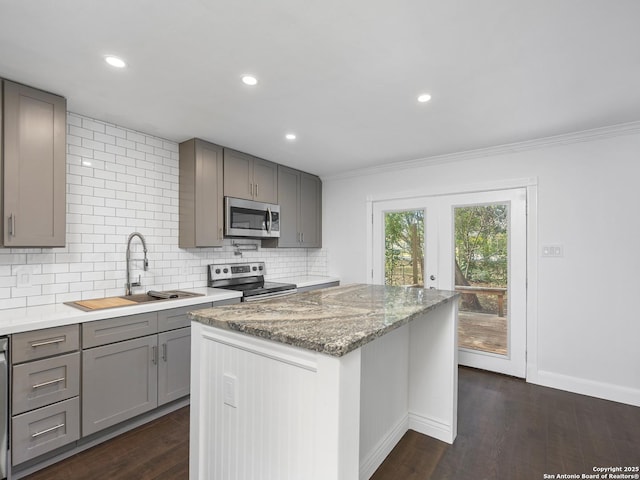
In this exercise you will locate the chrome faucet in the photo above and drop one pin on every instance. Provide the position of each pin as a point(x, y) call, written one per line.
point(128, 285)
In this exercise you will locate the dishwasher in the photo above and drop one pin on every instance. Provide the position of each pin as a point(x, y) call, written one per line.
point(4, 405)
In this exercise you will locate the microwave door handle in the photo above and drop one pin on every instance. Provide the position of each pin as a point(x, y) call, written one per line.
point(270, 220)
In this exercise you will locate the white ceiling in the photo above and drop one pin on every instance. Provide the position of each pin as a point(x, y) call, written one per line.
point(342, 74)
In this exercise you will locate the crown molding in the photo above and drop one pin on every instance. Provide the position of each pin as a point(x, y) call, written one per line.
point(563, 139)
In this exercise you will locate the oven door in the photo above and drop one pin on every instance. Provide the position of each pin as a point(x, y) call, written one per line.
point(246, 218)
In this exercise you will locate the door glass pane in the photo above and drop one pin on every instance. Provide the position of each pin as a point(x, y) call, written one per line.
point(404, 248)
point(481, 270)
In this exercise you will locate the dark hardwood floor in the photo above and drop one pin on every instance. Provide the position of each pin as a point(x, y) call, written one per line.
point(507, 429)
point(158, 450)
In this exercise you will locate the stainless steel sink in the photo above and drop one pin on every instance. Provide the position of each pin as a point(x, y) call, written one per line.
point(128, 300)
point(156, 296)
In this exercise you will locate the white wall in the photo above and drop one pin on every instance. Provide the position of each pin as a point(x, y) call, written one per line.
point(588, 197)
point(120, 181)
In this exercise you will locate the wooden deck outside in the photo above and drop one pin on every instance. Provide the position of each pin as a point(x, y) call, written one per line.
point(482, 331)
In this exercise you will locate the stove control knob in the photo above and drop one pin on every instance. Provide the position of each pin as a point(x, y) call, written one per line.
point(260, 268)
point(255, 268)
point(217, 270)
point(226, 270)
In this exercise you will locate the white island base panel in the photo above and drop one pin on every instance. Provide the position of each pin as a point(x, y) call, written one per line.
point(265, 410)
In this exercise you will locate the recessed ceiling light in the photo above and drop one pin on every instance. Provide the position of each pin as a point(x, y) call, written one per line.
point(290, 136)
point(249, 80)
point(115, 61)
point(425, 97)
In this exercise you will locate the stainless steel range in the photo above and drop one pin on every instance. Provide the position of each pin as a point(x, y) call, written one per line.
point(247, 278)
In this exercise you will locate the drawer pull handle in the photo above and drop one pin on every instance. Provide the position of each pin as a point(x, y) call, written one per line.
point(48, 342)
point(50, 382)
point(37, 434)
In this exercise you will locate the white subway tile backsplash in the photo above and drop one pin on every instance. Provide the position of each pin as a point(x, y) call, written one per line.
point(130, 184)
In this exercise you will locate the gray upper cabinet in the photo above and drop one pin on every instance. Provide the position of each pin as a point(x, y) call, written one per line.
point(250, 177)
point(33, 167)
point(201, 194)
point(300, 198)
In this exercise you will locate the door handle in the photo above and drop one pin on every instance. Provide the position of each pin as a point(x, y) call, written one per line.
point(12, 225)
point(256, 190)
point(164, 352)
point(270, 220)
point(154, 355)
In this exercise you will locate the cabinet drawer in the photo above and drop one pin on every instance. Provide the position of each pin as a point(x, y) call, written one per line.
point(44, 343)
point(43, 382)
point(102, 332)
point(45, 429)
point(177, 317)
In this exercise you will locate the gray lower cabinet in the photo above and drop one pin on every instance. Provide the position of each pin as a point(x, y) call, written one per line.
point(45, 408)
point(134, 364)
point(300, 198)
point(119, 381)
point(174, 364)
point(129, 366)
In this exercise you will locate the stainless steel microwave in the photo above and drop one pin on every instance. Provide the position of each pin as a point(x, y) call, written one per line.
point(247, 218)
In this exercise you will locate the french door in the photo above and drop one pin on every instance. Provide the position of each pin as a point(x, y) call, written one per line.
point(474, 243)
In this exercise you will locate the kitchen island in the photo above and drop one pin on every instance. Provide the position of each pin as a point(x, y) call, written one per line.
point(320, 385)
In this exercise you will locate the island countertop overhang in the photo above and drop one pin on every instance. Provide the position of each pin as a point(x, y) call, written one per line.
point(332, 321)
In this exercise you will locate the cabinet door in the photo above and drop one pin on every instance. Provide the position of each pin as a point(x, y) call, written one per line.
point(201, 194)
point(288, 194)
point(209, 194)
point(119, 381)
point(310, 210)
point(174, 364)
point(265, 181)
point(238, 181)
point(34, 167)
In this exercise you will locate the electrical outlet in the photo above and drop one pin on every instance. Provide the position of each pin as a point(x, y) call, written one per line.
point(552, 251)
point(23, 274)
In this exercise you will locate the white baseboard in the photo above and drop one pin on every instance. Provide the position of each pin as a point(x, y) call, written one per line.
point(376, 456)
point(431, 427)
point(606, 391)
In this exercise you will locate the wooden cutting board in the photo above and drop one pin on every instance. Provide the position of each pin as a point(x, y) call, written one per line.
point(109, 302)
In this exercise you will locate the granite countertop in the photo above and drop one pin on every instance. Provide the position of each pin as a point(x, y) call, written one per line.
point(333, 321)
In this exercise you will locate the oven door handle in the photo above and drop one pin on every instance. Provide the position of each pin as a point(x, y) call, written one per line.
point(270, 220)
point(267, 296)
